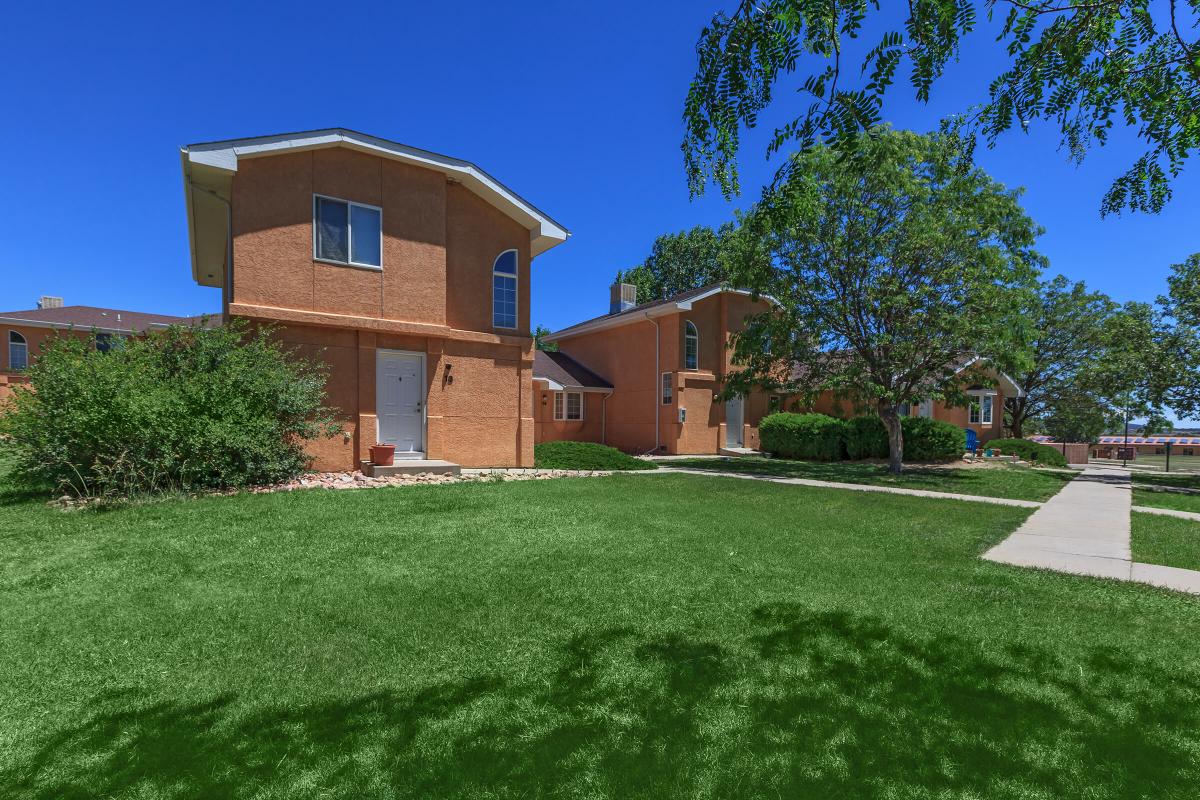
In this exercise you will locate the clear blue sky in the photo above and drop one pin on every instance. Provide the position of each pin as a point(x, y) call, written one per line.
point(576, 106)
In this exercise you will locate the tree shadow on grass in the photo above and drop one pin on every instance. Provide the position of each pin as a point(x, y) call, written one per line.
point(807, 704)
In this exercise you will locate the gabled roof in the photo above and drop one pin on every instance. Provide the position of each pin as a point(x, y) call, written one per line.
point(109, 320)
point(209, 167)
point(561, 371)
point(655, 308)
point(1010, 386)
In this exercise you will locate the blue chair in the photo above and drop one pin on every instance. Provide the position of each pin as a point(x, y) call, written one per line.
point(972, 440)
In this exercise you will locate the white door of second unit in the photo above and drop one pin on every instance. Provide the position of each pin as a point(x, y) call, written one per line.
point(733, 422)
point(400, 400)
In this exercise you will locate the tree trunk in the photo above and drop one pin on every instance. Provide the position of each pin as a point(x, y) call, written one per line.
point(891, 421)
point(1016, 414)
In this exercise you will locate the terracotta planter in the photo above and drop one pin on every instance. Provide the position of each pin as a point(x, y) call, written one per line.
point(382, 455)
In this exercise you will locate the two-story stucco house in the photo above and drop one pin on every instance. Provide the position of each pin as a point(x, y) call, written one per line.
point(647, 378)
point(406, 271)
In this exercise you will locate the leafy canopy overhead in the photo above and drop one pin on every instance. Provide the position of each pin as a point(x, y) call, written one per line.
point(1084, 66)
point(679, 262)
point(894, 264)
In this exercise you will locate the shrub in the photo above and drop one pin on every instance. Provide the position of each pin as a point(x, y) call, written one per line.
point(1029, 451)
point(585, 455)
point(815, 437)
point(185, 409)
point(866, 438)
point(931, 440)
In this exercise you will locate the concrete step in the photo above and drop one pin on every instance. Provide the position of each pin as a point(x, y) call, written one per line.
point(738, 451)
point(414, 466)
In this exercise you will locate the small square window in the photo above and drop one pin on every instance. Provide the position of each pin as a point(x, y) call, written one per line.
point(568, 406)
point(347, 233)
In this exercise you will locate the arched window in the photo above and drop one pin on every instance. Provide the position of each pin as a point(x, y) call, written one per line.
point(504, 290)
point(691, 346)
point(18, 351)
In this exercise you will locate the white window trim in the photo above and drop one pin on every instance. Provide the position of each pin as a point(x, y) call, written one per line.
point(516, 276)
point(349, 233)
point(23, 345)
point(975, 408)
point(561, 414)
point(666, 389)
point(695, 334)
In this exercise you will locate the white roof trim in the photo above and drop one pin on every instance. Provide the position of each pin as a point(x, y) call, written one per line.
point(659, 310)
point(223, 156)
point(1010, 385)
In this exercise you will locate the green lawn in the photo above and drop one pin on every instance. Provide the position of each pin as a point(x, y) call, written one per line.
point(1180, 480)
point(1169, 541)
point(1018, 483)
point(1145, 496)
point(634, 636)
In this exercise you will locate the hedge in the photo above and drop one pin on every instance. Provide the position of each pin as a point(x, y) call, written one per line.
point(866, 438)
point(812, 437)
point(1028, 451)
point(585, 455)
point(817, 437)
point(932, 440)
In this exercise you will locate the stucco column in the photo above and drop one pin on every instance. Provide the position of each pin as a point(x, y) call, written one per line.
point(525, 392)
point(435, 398)
point(366, 431)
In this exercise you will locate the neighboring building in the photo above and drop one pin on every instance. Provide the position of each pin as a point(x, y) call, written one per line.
point(1109, 446)
point(654, 373)
point(408, 272)
point(25, 332)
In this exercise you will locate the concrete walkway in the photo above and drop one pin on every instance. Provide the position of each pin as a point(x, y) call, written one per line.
point(1084, 530)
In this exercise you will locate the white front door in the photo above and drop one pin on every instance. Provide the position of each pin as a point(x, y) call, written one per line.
point(400, 400)
point(733, 423)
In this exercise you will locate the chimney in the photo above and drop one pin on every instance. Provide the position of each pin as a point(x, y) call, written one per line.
point(46, 301)
point(621, 297)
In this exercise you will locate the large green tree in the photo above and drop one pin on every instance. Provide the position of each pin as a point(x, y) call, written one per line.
point(679, 262)
point(893, 265)
point(1068, 327)
point(1084, 66)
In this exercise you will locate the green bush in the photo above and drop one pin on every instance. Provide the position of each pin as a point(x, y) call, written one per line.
point(186, 409)
point(866, 438)
point(931, 440)
point(585, 455)
point(1029, 451)
point(813, 437)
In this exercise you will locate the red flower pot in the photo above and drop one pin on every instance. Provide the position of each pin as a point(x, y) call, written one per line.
point(382, 455)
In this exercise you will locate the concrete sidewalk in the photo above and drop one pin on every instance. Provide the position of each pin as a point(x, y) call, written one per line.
point(1084, 530)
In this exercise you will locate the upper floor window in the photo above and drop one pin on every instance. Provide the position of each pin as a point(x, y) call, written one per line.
point(691, 346)
point(504, 290)
point(347, 233)
point(18, 351)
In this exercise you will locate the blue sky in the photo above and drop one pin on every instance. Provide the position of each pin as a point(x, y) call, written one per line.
point(575, 106)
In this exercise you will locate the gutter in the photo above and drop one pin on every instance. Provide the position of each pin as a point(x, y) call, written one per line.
point(227, 288)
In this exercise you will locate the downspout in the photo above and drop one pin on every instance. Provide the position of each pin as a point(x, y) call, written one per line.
point(657, 391)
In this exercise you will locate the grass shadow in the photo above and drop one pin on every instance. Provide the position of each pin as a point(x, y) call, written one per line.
point(809, 703)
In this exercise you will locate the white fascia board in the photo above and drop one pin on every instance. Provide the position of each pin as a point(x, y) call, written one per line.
point(660, 310)
point(1011, 386)
point(544, 231)
point(66, 326)
point(555, 386)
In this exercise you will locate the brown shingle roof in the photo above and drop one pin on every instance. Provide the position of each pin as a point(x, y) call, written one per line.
point(638, 309)
point(565, 371)
point(109, 319)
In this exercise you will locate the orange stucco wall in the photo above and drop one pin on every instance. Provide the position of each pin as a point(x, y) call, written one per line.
point(478, 412)
point(625, 356)
point(35, 339)
point(439, 244)
point(590, 429)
